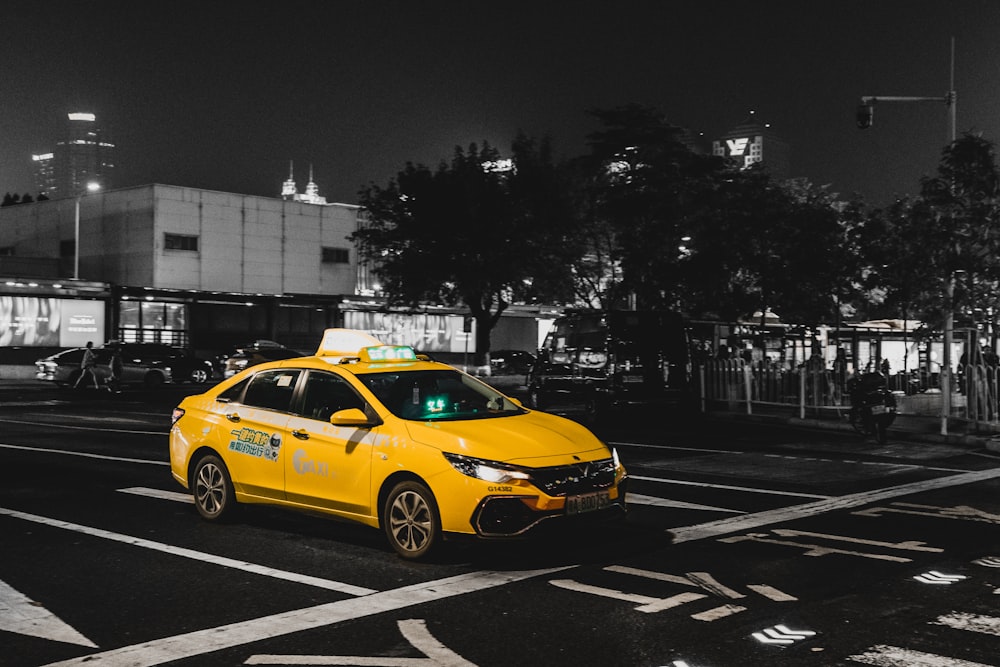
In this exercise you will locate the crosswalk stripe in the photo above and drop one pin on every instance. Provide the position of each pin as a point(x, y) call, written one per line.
point(894, 656)
point(987, 625)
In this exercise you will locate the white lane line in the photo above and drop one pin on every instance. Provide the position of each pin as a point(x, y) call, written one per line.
point(241, 565)
point(84, 428)
point(987, 625)
point(736, 524)
point(160, 494)
point(894, 656)
point(46, 450)
point(656, 501)
point(642, 445)
point(200, 642)
point(747, 489)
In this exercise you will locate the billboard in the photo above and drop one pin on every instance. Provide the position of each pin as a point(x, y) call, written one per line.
point(32, 321)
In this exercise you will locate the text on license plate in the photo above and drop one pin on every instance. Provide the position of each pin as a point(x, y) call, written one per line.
point(587, 502)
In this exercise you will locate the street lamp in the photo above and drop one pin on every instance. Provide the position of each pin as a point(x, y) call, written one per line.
point(865, 118)
point(91, 187)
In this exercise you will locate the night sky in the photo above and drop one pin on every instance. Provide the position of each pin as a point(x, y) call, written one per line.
point(221, 95)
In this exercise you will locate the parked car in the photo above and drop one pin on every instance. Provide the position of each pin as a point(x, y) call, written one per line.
point(255, 353)
point(379, 436)
point(184, 366)
point(63, 368)
point(606, 361)
point(511, 362)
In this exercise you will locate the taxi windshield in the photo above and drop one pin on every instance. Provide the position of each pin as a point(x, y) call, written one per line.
point(437, 395)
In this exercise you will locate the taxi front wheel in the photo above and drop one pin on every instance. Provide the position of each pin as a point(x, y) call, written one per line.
point(410, 519)
point(212, 488)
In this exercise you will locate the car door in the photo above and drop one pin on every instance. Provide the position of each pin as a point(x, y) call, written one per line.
point(328, 466)
point(255, 433)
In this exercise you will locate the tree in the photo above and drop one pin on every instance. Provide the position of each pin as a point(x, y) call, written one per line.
point(946, 241)
point(10, 200)
point(642, 182)
point(471, 234)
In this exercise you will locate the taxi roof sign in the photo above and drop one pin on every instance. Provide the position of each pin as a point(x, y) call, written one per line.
point(378, 353)
point(345, 342)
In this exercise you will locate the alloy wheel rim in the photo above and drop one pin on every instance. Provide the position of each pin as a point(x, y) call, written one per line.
point(410, 521)
point(210, 489)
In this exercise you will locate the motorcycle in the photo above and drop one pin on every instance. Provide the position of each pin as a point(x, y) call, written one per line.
point(873, 406)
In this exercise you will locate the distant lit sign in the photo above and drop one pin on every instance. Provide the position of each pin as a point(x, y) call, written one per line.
point(737, 146)
point(83, 116)
point(43, 156)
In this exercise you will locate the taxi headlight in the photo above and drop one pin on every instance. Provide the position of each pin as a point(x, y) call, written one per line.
point(489, 471)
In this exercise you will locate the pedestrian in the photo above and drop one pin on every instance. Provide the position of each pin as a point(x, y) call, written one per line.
point(87, 365)
point(117, 367)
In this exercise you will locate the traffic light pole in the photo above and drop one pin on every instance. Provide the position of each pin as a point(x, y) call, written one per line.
point(865, 117)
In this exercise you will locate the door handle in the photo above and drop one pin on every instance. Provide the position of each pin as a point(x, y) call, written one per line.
point(233, 417)
point(300, 434)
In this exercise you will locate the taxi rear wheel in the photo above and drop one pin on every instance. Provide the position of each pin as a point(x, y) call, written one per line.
point(212, 488)
point(410, 519)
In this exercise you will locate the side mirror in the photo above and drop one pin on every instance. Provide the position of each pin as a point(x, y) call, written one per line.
point(350, 417)
point(516, 401)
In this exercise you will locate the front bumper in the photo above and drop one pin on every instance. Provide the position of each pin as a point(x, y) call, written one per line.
point(514, 516)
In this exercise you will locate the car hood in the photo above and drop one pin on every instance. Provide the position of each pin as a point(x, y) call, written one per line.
point(532, 439)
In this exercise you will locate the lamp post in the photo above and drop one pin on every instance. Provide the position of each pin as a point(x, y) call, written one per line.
point(91, 187)
point(865, 118)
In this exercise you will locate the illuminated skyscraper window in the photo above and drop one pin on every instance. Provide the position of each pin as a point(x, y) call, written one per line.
point(84, 154)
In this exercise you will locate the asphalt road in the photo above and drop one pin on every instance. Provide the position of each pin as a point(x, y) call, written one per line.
point(745, 545)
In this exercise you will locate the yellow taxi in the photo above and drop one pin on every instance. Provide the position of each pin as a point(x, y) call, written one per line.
point(377, 434)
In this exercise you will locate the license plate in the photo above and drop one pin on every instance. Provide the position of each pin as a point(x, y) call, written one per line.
point(587, 502)
point(878, 410)
point(632, 379)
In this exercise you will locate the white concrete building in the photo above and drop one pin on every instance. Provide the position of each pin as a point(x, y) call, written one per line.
point(280, 266)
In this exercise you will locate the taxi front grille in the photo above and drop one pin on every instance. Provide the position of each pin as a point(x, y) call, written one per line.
point(576, 478)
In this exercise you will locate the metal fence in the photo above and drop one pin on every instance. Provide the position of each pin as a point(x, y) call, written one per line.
point(736, 384)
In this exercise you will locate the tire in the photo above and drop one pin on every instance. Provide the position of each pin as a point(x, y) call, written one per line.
point(410, 520)
point(212, 488)
point(198, 376)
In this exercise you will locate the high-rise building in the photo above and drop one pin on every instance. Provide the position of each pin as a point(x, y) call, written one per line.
point(84, 154)
point(751, 142)
point(290, 192)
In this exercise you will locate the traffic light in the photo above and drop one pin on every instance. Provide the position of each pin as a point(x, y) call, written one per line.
point(865, 117)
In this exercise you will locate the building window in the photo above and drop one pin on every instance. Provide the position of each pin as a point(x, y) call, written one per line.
point(180, 242)
point(336, 256)
point(67, 248)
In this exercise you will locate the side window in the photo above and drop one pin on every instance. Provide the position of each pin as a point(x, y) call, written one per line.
point(326, 393)
point(272, 390)
point(234, 393)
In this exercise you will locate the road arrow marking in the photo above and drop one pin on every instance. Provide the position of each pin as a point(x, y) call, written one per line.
point(780, 634)
point(935, 577)
point(647, 604)
point(414, 630)
point(26, 617)
point(963, 512)
point(988, 561)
